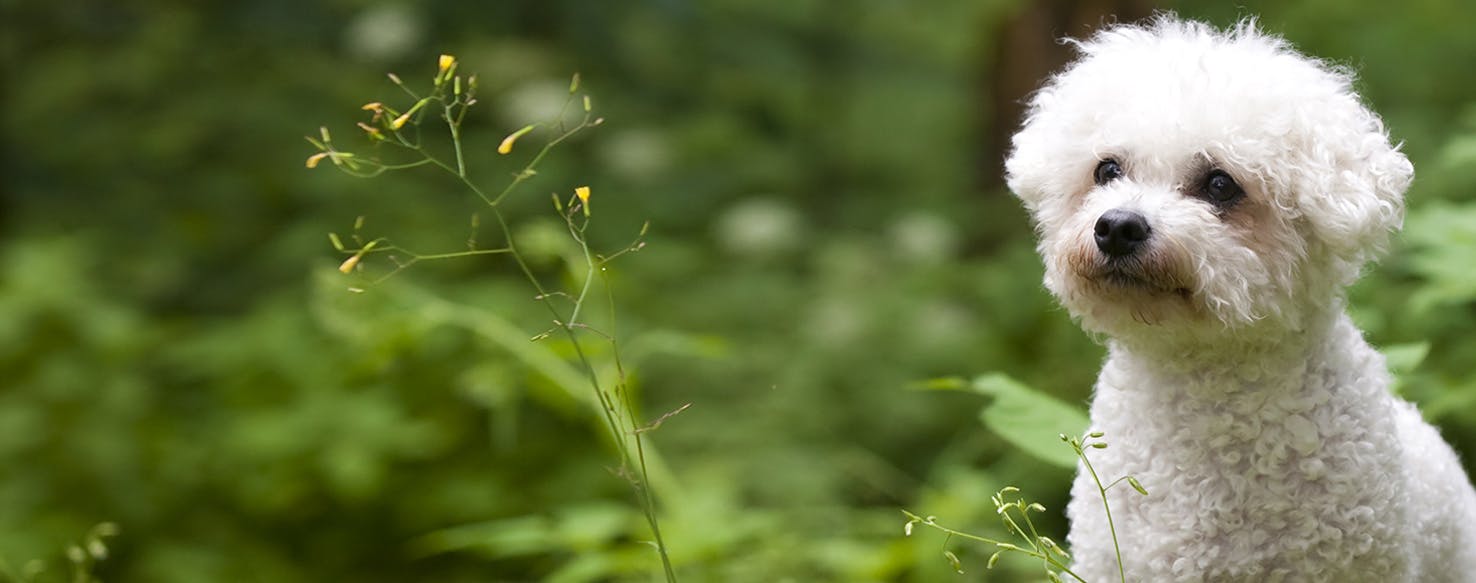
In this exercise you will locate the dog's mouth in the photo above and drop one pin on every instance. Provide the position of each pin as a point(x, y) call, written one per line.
point(1123, 277)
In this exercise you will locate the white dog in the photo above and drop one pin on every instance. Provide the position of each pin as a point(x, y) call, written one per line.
point(1202, 199)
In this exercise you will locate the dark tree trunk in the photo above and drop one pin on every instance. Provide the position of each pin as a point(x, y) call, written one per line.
point(1028, 49)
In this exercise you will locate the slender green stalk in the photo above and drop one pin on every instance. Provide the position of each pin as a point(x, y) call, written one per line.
point(1080, 445)
point(1111, 527)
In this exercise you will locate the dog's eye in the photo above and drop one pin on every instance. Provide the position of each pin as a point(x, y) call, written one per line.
point(1221, 189)
point(1107, 171)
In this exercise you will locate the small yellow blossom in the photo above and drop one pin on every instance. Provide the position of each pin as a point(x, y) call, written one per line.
point(375, 106)
point(349, 264)
point(583, 193)
point(446, 62)
point(400, 121)
point(312, 161)
point(368, 129)
point(507, 143)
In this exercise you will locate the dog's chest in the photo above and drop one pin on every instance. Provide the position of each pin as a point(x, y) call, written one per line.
point(1283, 473)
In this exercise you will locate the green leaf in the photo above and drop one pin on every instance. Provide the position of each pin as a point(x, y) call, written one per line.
point(1029, 419)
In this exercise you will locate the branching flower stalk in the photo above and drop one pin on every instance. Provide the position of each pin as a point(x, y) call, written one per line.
point(1080, 446)
point(450, 98)
point(1015, 512)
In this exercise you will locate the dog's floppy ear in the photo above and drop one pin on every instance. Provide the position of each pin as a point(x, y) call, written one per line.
point(1351, 180)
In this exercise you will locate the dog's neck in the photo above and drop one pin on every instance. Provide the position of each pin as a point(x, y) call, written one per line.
point(1216, 365)
point(1222, 401)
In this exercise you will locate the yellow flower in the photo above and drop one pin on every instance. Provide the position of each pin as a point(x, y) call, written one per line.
point(312, 161)
point(507, 143)
point(375, 106)
point(583, 193)
point(349, 264)
point(446, 62)
point(400, 121)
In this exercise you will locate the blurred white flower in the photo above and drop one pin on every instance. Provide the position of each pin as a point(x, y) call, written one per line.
point(835, 322)
point(636, 153)
point(924, 237)
point(758, 227)
point(543, 240)
point(536, 101)
point(940, 324)
point(384, 32)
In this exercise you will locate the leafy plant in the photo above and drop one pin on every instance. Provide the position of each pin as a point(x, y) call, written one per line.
point(1028, 419)
point(1019, 414)
point(446, 104)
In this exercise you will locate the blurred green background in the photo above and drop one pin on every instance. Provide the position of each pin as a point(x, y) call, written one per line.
point(179, 355)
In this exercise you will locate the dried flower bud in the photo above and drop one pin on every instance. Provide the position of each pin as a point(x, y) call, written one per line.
point(953, 561)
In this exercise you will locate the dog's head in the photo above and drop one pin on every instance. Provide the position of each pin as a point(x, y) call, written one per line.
point(1183, 178)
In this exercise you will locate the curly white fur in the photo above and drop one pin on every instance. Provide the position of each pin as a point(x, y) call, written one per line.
point(1236, 390)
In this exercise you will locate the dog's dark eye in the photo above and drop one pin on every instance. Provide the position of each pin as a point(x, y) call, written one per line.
point(1221, 189)
point(1107, 171)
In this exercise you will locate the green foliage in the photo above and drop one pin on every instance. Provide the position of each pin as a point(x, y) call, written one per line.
point(1026, 418)
point(181, 357)
point(1014, 511)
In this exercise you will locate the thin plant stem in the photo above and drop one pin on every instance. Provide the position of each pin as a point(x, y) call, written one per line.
point(1111, 527)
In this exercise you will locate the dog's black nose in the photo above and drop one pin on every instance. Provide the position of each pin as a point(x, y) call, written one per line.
point(1120, 233)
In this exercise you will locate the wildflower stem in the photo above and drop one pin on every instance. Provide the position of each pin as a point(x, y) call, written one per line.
point(1111, 526)
point(617, 409)
point(527, 171)
point(455, 126)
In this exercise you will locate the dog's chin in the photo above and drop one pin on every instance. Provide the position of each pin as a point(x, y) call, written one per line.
point(1124, 300)
point(1114, 280)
